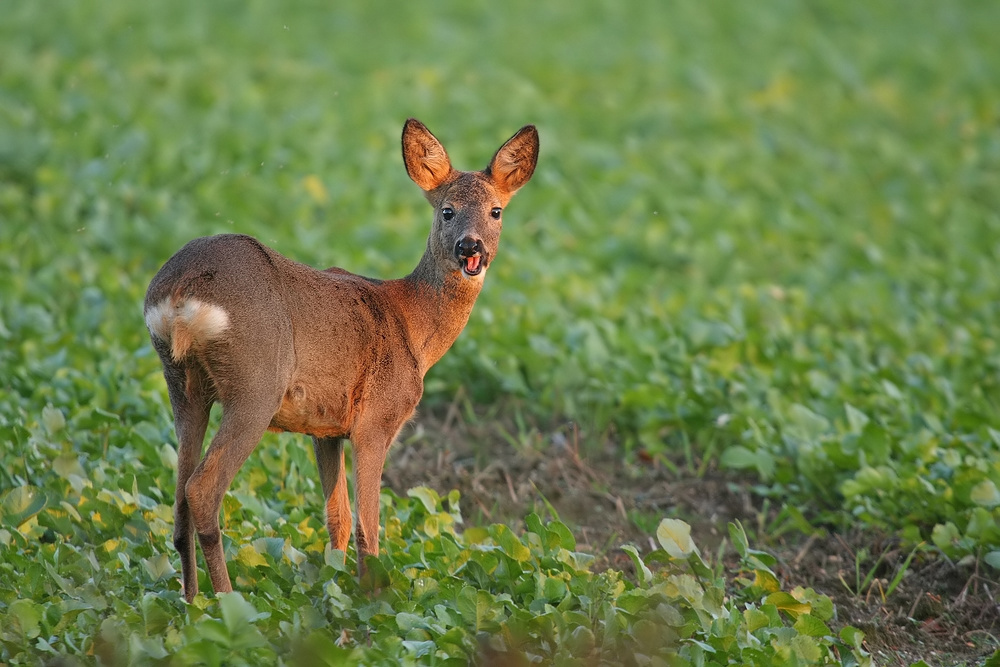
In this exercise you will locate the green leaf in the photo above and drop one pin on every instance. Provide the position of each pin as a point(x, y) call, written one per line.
point(475, 606)
point(273, 546)
point(945, 536)
point(237, 612)
point(856, 419)
point(168, 456)
point(294, 556)
point(554, 589)
point(465, 602)
point(852, 636)
point(429, 498)
point(475, 535)
point(581, 642)
point(806, 648)
point(642, 572)
point(805, 423)
point(566, 539)
point(511, 545)
point(755, 619)
point(20, 504)
point(752, 558)
point(67, 465)
point(256, 506)
point(809, 625)
point(24, 617)
point(788, 604)
point(100, 418)
point(765, 581)
point(376, 576)
point(334, 558)
point(674, 536)
point(874, 442)
point(53, 420)
point(738, 536)
point(533, 524)
point(822, 605)
point(158, 566)
point(454, 508)
point(420, 648)
point(406, 621)
point(739, 457)
point(147, 649)
point(250, 557)
point(155, 615)
point(986, 494)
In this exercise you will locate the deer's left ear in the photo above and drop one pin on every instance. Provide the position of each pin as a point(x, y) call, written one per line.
point(514, 163)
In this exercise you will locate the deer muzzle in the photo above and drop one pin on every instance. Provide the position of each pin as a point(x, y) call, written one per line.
point(471, 255)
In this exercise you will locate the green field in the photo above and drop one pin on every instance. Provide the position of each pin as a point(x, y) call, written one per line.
point(762, 239)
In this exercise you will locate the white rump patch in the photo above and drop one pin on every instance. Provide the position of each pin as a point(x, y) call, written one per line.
point(205, 320)
point(199, 320)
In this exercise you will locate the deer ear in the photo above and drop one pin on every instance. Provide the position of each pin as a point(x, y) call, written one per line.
point(514, 163)
point(426, 160)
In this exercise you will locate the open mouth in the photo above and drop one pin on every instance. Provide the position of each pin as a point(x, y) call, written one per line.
point(472, 266)
point(469, 252)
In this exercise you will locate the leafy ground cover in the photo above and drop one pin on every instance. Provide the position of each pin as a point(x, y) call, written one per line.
point(755, 271)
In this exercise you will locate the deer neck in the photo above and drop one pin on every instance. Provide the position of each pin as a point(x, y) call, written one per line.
point(437, 301)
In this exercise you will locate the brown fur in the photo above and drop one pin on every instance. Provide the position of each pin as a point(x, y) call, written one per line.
point(181, 342)
point(331, 354)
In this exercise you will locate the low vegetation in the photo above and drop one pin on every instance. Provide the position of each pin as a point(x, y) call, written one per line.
point(761, 241)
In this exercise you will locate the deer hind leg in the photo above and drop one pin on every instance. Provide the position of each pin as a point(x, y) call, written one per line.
point(243, 423)
point(330, 461)
point(191, 400)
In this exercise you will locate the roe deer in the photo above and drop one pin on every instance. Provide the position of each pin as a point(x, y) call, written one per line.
point(284, 347)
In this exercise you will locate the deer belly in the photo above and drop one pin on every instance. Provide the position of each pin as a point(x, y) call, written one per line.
point(303, 411)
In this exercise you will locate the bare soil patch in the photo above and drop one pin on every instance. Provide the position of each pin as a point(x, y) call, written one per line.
point(941, 612)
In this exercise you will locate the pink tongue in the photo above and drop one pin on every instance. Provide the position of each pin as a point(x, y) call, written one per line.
point(472, 263)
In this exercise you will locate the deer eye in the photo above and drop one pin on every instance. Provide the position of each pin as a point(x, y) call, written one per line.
point(495, 212)
point(447, 213)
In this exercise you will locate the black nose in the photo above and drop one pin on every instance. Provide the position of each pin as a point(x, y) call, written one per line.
point(469, 247)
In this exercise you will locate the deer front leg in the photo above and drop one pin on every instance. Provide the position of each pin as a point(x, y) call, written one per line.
point(330, 461)
point(369, 458)
point(371, 443)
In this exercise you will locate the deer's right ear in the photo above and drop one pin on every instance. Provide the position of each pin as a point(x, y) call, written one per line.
point(426, 160)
